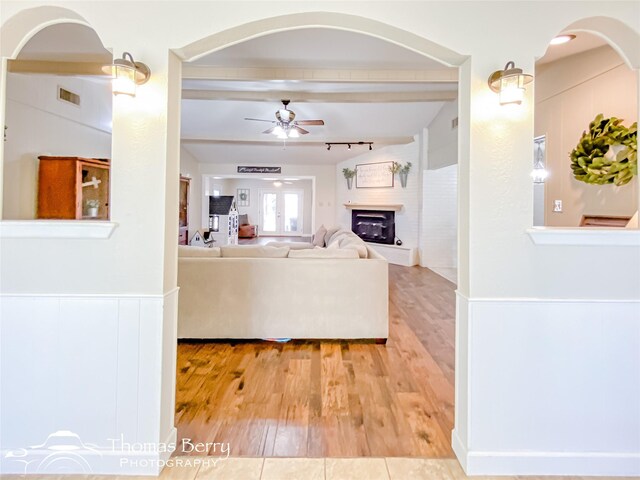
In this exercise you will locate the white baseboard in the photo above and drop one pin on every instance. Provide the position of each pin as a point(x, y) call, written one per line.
point(548, 463)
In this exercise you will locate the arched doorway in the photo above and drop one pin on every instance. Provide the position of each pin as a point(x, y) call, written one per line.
point(327, 22)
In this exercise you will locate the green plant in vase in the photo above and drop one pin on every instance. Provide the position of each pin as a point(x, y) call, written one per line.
point(349, 174)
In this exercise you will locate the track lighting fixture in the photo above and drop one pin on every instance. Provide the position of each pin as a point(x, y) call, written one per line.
point(348, 144)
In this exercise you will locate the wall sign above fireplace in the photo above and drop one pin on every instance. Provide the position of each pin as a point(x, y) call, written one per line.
point(259, 169)
point(374, 175)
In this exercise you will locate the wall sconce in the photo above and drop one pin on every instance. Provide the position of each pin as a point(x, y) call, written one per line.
point(509, 83)
point(126, 73)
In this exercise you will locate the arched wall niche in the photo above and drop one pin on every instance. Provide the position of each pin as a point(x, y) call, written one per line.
point(19, 29)
point(50, 35)
point(577, 198)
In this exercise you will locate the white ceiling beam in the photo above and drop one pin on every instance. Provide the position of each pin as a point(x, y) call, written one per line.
point(322, 97)
point(306, 142)
point(56, 68)
point(195, 72)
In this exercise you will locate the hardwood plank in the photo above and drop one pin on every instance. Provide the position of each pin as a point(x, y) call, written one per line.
point(331, 398)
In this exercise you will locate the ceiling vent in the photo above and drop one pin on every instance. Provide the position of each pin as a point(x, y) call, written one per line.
point(67, 96)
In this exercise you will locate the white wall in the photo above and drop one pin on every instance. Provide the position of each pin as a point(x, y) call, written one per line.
point(443, 137)
point(570, 92)
point(407, 219)
point(438, 236)
point(40, 124)
point(189, 167)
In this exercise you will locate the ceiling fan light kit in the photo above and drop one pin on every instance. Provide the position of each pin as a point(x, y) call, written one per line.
point(286, 125)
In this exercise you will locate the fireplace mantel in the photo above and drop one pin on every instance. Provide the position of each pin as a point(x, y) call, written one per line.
point(395, 207)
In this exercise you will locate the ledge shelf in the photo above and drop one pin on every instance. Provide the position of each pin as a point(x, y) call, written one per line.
point(59, 229)
point(581, 236)
point(395, 207)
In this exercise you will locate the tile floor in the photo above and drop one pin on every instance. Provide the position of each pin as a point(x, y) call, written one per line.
point(245, 468)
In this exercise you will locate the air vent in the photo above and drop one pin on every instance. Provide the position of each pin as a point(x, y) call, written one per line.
point(67, 96)
point(454, 123)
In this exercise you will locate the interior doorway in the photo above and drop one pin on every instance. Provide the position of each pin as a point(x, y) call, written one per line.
point(333, 397)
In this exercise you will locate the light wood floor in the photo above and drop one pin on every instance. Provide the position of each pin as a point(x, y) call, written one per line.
point(331, 399)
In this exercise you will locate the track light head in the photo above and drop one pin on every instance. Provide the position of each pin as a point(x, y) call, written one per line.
point(370, 148)
point(349, 146)
point(328, 146)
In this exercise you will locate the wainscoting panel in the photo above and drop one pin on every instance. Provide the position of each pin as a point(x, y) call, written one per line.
point(89, 368)
point(554, 387)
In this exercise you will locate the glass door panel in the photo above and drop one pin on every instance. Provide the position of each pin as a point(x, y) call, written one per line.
point(269, 223)
point(292, 217)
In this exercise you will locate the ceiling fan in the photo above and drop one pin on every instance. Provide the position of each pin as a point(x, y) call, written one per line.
point(286, 126)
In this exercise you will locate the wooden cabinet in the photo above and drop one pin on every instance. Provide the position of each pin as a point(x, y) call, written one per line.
point(73, 188)
point(183, 214)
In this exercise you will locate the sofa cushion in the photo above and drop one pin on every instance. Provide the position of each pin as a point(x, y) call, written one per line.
point(331, 231)
point(324, 253)
point(292, 245)
point(354, 243)
point(318, 238)
point(186, 251)
point(336, 237)
point(253, 251)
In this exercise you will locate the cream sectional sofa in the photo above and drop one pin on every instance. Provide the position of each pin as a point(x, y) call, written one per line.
point(252, 292)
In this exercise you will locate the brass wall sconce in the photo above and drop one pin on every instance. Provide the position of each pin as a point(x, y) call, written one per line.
point(126, 73)
point(509, 84)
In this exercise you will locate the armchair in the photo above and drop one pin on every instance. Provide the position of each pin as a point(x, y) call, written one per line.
point(245, 229)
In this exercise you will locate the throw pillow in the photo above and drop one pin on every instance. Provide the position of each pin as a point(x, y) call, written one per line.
point(243, 219)
point(253, 251)
point(324, 253)
point(186, 251)
point(318, 238)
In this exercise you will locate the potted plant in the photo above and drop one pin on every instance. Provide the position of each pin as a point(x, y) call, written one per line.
point(402, 171)
point(349, 174)
point(607, 153)
point(92, 207)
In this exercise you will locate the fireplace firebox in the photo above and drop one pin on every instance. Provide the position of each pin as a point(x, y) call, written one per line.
point(377, 226)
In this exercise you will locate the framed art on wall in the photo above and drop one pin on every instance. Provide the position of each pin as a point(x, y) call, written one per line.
point(374, 175)
point(243, 197)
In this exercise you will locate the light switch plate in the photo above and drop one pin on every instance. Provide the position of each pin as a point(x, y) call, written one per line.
point(557, 206)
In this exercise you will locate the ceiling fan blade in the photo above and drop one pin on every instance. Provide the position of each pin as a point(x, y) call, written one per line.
point(301, 131)
point(270, 130)
point(310, 122)
point(260, 120)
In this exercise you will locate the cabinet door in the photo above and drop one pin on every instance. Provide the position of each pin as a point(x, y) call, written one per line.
point(95, 192)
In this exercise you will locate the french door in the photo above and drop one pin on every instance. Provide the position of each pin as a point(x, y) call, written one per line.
point(281, 212)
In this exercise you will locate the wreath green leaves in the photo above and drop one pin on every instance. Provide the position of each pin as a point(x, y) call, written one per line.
point(589, 160)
